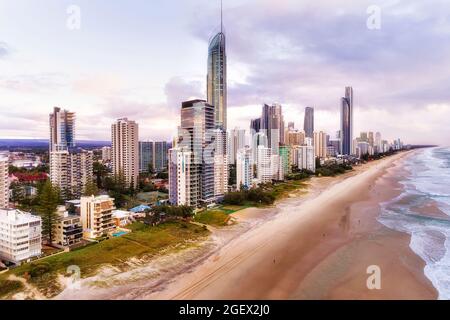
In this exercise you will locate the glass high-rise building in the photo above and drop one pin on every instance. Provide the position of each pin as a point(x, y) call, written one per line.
point(347, 121)
point(62, 129)
point(160, 158)
point(272, 125)
point(196, 134)
point(217, 79)
point(308, 126)
point(145, 156)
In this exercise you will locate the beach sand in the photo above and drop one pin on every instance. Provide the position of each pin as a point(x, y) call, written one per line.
point(318, 247)
point(313, 246)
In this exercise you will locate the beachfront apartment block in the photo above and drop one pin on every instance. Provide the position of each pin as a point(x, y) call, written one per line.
point(4, 182)
point(306, 159)
point(244, 172)
point(264, 168)
point(69, 229)
point(184, 183)
point(20, 236)
point(97, 216)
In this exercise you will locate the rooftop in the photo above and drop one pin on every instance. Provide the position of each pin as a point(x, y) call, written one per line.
point(17, 216)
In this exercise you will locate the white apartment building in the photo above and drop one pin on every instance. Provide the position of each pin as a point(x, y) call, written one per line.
point(71, 171)
point(125, 150)
point(264, 169)
point(20, 236)
point(97, 216)
point(4, 182)
point(306, 159)
point(244, 173)
point(277, 167)
point(183, 183)
point(220, 165)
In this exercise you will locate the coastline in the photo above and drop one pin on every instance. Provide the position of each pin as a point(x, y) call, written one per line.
point(317, 246)
point(318, 250)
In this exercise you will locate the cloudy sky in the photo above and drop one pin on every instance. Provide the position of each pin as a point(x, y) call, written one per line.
point(141, 58)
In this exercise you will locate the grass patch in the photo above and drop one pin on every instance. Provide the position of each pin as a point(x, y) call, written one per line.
point(217, 218)
point(144, 241)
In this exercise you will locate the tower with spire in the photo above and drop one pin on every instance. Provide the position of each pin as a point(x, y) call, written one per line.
point(217, 76)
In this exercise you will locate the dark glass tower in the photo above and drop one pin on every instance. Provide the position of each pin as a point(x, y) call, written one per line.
point(347, 122)
point(308, 126)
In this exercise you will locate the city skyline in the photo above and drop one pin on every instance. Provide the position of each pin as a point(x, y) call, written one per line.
point(128, 84)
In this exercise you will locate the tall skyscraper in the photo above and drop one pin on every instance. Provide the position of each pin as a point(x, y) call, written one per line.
point(4, 184)
point(197, 135)
point(347, 122)
point(125, 150)
point(255, 125)
point(62, 129)
point(308, 126)
point(272, 125)
point(71, 169)
point(236, 141)
point(217, 77)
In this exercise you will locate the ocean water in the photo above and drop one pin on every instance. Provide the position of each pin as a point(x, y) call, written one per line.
point(426, 189)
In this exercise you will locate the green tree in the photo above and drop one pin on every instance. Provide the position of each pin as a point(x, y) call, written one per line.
point(90, 189)
point(17, 193)
point(100, 172)
point(49, 197)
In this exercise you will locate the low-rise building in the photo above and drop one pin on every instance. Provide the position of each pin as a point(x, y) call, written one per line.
point(20, 236)
point(122, 218)
point(69, 229)
point(96, 216)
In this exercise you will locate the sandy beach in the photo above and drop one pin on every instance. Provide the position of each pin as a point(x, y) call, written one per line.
point(317, 246)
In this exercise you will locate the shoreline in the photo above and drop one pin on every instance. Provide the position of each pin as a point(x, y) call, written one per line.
point(321, 251)
point(316, 246)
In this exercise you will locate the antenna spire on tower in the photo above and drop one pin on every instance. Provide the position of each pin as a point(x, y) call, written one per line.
point(221, 16)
